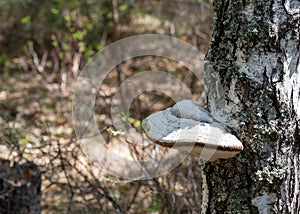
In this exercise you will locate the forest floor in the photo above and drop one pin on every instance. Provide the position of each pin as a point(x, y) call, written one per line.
point(36, 122)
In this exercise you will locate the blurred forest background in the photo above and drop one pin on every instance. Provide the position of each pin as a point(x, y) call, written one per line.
point(43, 47)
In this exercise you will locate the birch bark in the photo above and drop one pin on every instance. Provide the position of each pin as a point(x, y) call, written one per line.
point(253, 86)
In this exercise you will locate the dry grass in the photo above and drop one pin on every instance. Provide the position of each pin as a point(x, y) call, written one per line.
point(36, 125)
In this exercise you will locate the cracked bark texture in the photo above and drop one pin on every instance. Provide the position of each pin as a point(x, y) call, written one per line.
point(252, 85)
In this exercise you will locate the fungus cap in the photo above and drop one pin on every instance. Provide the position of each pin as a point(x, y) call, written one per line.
point(187, 125)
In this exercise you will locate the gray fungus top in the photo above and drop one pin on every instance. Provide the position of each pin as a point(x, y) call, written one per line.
point(187, 124)
point(190, 110)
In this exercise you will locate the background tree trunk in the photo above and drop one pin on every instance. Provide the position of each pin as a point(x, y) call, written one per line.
point(255, 57)
point(20, 188)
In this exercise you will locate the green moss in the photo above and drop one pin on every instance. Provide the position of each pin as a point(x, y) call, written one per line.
point(231, 27)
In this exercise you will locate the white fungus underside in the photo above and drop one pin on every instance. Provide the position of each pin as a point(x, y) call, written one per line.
point(169, 130)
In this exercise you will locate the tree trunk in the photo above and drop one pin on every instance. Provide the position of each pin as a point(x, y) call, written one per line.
point(254, 88)
point(20, 188)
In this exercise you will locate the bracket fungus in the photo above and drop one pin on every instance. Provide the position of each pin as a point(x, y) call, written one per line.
point(188, 125)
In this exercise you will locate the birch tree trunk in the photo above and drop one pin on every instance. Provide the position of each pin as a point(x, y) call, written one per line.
point(254, 88)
